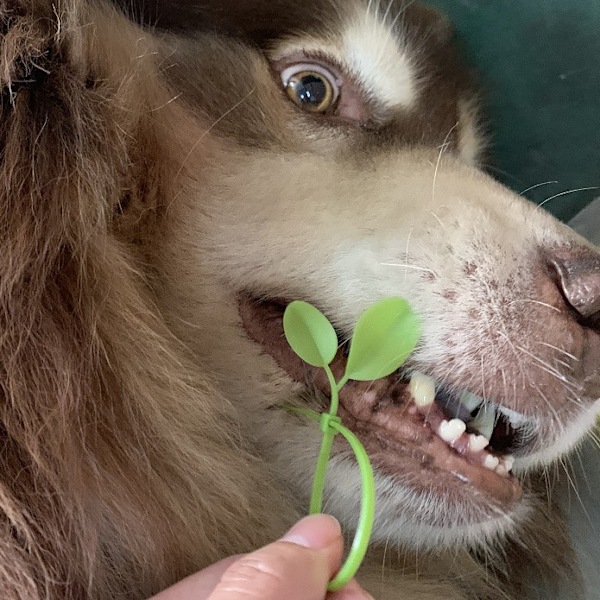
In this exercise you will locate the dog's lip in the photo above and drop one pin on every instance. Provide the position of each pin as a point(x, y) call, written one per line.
point(398, 436)
point(382, 414)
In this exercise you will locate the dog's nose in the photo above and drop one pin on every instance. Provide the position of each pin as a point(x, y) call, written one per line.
point(578, 277)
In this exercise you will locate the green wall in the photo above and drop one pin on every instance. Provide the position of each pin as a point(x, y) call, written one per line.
point(539, 61)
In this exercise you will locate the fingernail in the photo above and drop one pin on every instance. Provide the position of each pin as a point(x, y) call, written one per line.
point(317, 532)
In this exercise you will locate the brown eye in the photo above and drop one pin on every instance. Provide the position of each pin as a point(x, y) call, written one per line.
point(310, 87)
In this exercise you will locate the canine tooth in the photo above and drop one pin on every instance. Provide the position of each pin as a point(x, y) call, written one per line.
point(450, 431)
point(422, 389)
point(478, 442)
point(491, 462)
point(470, 401)
point(484, 421)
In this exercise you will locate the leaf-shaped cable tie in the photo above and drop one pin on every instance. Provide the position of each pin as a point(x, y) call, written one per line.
point(313, 338)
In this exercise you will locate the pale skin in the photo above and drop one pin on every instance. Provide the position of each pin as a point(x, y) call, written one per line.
point(296, 567)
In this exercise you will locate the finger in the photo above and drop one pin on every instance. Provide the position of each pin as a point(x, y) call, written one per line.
point(198, 586)
point(352, 591)
point(298, 567)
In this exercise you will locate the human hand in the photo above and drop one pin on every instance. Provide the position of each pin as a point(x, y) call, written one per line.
point(297, 567)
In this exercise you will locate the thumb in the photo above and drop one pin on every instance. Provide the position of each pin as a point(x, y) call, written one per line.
point(297, 567)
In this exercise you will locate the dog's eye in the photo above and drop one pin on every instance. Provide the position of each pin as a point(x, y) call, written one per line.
point(311, 87)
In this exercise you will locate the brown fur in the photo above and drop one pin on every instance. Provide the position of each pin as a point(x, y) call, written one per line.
point(120, 468)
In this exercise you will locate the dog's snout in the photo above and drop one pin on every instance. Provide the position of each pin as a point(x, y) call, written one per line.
point(577, 272)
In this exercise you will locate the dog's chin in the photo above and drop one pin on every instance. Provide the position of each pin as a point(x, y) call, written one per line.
point(434, 477)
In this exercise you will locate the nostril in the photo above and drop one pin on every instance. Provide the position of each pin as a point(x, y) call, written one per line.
point(578, 275)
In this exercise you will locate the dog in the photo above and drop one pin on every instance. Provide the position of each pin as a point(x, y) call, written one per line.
point(172, 177)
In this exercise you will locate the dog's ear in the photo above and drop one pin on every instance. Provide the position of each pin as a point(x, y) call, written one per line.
point(260, 22)
point(114, 451)
point(67, 300)
point(254, 21)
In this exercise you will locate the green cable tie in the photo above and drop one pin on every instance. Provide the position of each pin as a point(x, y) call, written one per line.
point(333, 425)
point(384, 337)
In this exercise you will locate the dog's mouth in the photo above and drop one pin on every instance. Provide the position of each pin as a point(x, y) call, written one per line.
point(433, 438)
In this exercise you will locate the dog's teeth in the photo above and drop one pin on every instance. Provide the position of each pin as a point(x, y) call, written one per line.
point(477, 443)
point(516, 419)
point(450, 431)
point(422, 389)
point(470, 401)
point(484, 421)
point(509, 462)
point(502, 470)
point(491, 462)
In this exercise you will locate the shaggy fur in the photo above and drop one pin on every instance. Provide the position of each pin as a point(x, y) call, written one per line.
point(121, 468)
point(123, 464)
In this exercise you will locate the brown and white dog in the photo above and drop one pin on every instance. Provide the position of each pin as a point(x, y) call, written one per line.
point(170, 177)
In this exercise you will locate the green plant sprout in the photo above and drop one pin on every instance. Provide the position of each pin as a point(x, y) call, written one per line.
point(384, 337)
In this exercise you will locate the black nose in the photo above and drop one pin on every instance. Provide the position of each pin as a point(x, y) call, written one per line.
point(578, 276)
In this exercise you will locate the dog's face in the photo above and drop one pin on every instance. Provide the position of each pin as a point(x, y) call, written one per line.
point(340, 167)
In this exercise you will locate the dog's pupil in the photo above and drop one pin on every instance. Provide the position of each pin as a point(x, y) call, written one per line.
point(311, 90)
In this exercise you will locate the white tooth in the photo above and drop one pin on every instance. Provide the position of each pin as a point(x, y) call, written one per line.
point(484, 421)
point(501, 470)
point(509, 462)
point(516, 419)
point(422, 389)
point(491, 462)
point(450, 431)
point(470, 401)
point(478, 442)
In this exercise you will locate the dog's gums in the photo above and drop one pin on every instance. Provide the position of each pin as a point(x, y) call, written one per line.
point(404, 425)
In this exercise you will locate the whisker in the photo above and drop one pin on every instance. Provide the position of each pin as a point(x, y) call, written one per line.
point(576, 492)
point(567, 354)
point(407, 266)
point(565, 193)
point(443, 148)
point(548, 369)
point(494, 169)
point(536, 186)
point(436, 217)
point(530, 301)
point(557, 419)
point(214, 124)
point(582, 468)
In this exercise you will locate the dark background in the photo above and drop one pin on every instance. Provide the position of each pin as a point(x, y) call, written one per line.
point(539, 61)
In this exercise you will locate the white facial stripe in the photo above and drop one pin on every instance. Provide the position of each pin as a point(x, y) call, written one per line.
point(369, 51)
point(374, 56)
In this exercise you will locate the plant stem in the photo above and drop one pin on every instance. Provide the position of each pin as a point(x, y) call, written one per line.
point(316, 499)
point(342, 382)
point(334, 388)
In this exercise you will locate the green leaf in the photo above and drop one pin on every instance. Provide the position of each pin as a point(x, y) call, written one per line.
point(310, 334)
point(384, 337)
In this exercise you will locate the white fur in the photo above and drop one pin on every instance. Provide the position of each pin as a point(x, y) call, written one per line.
point(574, 433)
point(372, 52)
point(470, 139)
